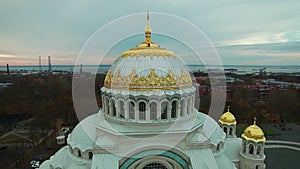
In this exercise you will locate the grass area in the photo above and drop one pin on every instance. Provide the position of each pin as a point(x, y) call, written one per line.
point(269, 131)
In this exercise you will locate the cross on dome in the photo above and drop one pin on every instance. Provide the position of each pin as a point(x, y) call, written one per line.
point(254, 120)
point(148, 16)
point(148, 30)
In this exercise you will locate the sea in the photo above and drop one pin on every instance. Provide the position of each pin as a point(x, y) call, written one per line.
point(237, 69)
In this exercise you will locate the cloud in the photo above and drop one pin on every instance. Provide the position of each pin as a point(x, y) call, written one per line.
point(269, 53)
point(263, 38)
point(7, 56)
point(56, 28)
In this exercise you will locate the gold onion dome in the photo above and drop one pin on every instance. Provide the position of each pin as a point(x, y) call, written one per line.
point(254, 133)
point(227, 118)
point(148, 67)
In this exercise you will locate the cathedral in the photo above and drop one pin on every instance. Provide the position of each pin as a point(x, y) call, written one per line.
point(149, 121)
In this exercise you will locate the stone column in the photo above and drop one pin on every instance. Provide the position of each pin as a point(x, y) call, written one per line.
point(178, 110)
point(136, 111)
point(158, 113)
point(147, 111)
point(169, 106)
point(126, 107)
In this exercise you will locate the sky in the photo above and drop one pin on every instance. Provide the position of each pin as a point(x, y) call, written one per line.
point(249, 32)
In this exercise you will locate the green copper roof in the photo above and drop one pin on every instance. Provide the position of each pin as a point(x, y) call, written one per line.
point(169, 154)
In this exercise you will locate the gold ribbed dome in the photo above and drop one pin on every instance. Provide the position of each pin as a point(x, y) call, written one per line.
point(227, 118)
point(148, 67)
point(254, 133)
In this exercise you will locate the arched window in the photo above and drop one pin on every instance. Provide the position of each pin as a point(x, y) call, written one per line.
point(131, 110)
point(182, 107)
point(90, 155)
point(142, 110)
point(164, 110)
point(107, 106)
point(251, 149)
point(153, 111)
point(173, 110)
point(258, 151)
point(257, 167)
point(230, 131)
point(79, 153)
point(122, 109)
point(225, 130)
point(155, 165)
point(218, 147)
point(114, 110)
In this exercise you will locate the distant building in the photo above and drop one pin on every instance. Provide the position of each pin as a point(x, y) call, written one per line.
point(149, 121)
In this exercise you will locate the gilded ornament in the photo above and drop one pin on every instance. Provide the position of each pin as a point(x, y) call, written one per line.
point(149, 82)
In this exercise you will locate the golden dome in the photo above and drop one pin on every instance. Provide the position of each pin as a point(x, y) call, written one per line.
point(148, 67)
point(254, 133)
point(227, 118)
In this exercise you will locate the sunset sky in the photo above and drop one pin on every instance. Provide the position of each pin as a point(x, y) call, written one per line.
point(243, 32)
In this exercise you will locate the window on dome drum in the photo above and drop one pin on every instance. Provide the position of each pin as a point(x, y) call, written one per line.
point(114, 110)
point(230, 131)
point(131, 110)
point(164, 110)
point(251, 149)
point(225, 130)
point(155, 166)
point(90, 155)
point(173, 110)
point(142, 111)
point(122, 109)
point(153, 111)
point(189, 105)
point(107, 106)
point(258, 150)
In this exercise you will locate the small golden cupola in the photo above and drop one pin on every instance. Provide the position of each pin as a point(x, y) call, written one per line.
point(254, 133)
point(227, 118)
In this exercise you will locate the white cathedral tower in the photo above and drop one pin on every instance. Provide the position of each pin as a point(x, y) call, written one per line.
point(252, 154)
point(149, 121)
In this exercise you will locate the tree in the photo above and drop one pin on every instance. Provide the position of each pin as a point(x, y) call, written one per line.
point(286, 103)
point(241, 103)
